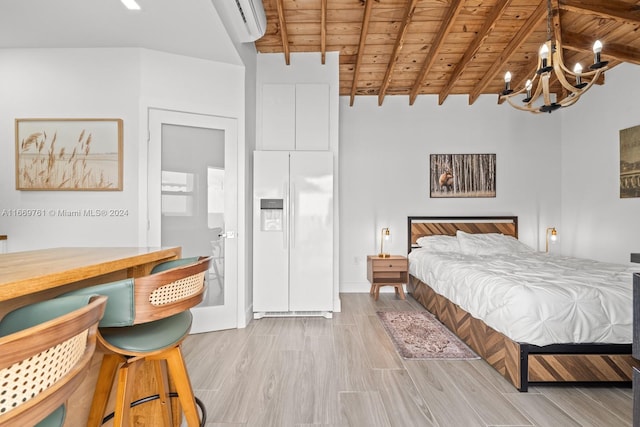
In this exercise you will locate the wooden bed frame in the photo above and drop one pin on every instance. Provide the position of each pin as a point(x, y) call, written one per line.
point(521, 364)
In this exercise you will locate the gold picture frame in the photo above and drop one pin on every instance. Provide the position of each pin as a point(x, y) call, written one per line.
point(69, 154)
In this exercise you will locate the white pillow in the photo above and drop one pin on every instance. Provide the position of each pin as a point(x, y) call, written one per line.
point(439, 243)
point(489, 243)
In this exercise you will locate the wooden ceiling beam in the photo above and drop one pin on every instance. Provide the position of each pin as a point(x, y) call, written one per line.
point(323, 30)
point(363, 38)
point(489, 25)
point(579, 43)
point(445, 28)
point(408, 15)
point(611, 9)
point(525, 31)
point(283, 31)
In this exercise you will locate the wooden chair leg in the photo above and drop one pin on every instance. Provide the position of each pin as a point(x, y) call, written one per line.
point(106, 378)
point(162, 379)
point(124, 394)
point(178, 371)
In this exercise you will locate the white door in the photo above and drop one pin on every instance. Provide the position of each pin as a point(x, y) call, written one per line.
point(192, 192)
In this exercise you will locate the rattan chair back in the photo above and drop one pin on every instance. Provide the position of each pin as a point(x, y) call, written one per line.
point(169, 292)
point(42, 365)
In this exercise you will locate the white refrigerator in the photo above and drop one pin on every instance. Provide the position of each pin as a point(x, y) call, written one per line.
point(292, 233)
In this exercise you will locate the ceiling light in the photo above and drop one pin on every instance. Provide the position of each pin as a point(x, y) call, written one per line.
point(550, 63)
point(131, 4)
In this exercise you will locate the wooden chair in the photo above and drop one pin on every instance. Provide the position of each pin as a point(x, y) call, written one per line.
point(45, 350)
point(146, 319)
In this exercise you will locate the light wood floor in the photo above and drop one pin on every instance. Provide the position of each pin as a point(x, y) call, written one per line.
point(345, 372)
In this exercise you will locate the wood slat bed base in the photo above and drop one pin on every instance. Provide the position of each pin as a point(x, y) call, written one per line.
point(513, 360)
point(580, 367)
point(496, 349)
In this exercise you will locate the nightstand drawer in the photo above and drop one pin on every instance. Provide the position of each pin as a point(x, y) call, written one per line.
point(383, 264)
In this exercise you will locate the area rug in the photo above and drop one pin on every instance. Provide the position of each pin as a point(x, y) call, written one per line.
point(419, 335)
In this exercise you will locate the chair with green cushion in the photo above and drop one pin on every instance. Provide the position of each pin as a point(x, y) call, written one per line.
point(45, 350)
point(146, 319)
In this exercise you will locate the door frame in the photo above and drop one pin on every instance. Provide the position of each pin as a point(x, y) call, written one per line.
point(146, 235)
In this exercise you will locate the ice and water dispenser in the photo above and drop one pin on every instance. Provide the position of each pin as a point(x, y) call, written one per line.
point(271, 214)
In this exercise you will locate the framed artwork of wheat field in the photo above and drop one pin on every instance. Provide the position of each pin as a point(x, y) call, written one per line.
point(69, 154)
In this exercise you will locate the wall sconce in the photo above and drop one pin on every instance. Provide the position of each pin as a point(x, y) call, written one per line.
point(553, 238)
point(385, 236)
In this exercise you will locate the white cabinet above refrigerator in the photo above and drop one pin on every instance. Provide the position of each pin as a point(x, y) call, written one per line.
point(293, 233)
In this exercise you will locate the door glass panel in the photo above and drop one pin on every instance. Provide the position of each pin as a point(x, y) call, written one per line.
point(192, 202)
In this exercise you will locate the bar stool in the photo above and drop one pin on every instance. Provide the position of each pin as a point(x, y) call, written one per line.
point(146, 319)
point(45, 350)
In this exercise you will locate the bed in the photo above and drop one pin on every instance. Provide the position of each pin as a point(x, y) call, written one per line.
point(569, 342)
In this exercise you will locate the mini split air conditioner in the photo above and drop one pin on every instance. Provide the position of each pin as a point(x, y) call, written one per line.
point(245, 17)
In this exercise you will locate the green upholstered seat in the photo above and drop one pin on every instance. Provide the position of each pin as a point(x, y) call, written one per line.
point(151, 336)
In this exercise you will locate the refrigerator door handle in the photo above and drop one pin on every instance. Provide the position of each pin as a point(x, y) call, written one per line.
point(285, 220)
point(293, 215)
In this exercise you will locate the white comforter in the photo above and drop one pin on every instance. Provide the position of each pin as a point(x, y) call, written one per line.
point(533, 297)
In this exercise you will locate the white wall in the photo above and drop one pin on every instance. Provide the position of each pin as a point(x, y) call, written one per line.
point(58, 83)
point(384, 164)
point(55, 83)
point(596, 222)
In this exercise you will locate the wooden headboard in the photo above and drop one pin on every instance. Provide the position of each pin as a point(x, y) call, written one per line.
point(420, 226)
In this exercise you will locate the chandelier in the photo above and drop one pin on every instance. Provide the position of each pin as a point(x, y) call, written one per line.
point(550, 63)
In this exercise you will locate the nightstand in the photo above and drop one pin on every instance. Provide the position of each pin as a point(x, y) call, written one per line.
point(390, 271)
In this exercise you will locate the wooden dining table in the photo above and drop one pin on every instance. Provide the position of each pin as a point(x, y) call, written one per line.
point(31, 276)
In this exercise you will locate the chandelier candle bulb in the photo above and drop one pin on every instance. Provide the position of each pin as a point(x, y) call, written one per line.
point(597, 61)
point(597, 49)
point(577, 69)
point(544, 55)
point(507, 83)
point(528, 86)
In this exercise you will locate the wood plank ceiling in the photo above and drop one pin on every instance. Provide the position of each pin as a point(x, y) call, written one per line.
point(446, 47)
